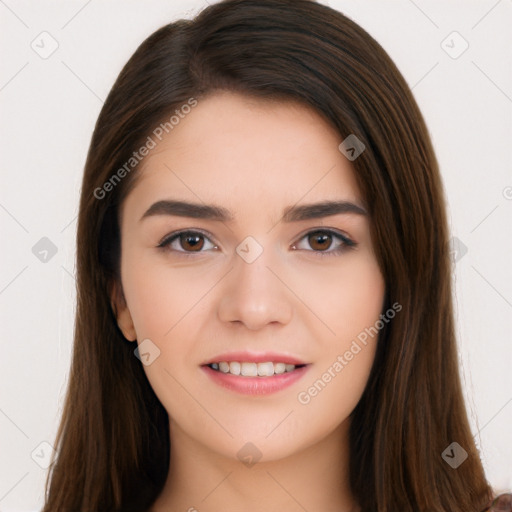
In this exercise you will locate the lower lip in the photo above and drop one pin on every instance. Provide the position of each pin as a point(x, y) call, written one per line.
point(255, 385)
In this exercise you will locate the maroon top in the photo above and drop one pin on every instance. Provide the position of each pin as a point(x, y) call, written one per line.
point(502, 503)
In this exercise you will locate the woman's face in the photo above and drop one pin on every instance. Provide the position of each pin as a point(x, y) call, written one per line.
point(259, 275)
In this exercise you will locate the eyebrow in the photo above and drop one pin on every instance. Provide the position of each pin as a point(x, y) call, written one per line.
point(218, 213)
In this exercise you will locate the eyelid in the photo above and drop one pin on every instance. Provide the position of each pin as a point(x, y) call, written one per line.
point(326, 229)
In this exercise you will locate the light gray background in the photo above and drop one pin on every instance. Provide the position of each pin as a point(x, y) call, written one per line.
point(48, 110)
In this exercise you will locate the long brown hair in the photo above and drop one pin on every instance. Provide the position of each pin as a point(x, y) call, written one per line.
point(113, 441)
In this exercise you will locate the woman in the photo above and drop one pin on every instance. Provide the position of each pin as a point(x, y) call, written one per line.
point(264, 316)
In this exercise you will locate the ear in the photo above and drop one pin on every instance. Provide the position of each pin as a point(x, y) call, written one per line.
point(121, 311)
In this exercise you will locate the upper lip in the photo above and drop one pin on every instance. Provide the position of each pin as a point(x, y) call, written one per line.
point(255, 357)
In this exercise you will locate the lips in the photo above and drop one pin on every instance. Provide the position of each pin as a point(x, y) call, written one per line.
point(254, 373)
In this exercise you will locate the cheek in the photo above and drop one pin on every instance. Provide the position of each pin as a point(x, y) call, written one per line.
point(339, 376)
point(362, 298)
point(331, 393)
point(160, 296)
point(349, 300)
point(347, 297)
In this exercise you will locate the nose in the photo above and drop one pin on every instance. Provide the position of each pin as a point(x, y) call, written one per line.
point(255, 294)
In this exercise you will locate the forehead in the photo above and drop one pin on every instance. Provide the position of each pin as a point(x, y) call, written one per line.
point(235, 150)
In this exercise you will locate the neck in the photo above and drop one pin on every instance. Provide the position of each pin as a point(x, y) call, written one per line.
point(314, 478)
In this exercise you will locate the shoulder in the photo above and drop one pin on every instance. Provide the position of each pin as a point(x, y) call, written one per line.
point(502, 503)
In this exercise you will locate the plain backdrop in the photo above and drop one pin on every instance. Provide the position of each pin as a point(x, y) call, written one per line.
point(58, 62)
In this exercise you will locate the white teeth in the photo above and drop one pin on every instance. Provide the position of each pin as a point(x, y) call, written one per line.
point(267, 369)
point(234, 368)
point(279, 367)
point(249, 369)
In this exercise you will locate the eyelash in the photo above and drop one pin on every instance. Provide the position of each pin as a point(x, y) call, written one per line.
point(347, 243)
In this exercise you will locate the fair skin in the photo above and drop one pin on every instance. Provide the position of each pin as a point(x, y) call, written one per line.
point(298, 298)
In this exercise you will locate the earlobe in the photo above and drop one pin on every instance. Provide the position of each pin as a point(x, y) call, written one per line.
point(121, 312)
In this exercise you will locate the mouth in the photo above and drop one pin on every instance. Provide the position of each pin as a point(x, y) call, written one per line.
point(252, 374)
point(250, 369)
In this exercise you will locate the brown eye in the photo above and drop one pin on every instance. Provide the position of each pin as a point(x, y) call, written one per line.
point(187, 242)
point(325, 242)
point(191, 242)
point(320, 240)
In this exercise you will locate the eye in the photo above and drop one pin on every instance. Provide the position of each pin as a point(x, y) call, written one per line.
point(321, 240)
point(189, 241)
